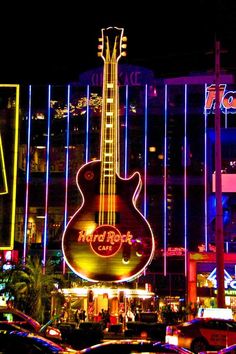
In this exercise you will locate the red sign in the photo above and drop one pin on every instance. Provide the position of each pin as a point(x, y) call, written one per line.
point(227, 99)
point(106, 240)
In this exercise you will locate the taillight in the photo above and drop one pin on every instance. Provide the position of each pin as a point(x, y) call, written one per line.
point(54, 332)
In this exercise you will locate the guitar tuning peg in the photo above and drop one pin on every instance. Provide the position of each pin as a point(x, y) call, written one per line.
point(124, 45)
point(123, 54)
point(99, 54)
point(100, 46)
point(124, 39)
point(100, 39)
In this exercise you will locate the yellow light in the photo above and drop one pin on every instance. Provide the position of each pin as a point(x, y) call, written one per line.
point(15, 160)
point(3, 168)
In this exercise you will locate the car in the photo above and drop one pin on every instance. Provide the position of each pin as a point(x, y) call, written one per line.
point(228, 350)
point(14, 316)
point(128, 346)
point(88, 333)
point(25, 342)
point(154, 330)
point(202, 334)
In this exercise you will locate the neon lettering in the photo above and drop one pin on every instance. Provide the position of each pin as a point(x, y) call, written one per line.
point(104, 248)
point(227, 99)
point(107, 236)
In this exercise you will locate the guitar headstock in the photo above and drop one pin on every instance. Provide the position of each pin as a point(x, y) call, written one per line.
point(111, 44)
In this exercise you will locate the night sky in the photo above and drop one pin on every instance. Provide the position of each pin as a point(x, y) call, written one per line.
point(53, 42)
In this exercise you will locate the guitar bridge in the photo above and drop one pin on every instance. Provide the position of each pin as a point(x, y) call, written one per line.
point(106, 217)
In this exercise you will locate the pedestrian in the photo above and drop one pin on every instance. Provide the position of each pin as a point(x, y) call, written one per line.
point(77, 317)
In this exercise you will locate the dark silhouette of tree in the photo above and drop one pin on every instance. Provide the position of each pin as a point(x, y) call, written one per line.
point(31, 287)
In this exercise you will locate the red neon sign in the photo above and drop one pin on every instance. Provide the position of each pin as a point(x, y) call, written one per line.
point(106, 240)
point(227, 99)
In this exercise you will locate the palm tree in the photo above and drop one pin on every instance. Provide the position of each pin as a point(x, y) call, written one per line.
point(32, 287)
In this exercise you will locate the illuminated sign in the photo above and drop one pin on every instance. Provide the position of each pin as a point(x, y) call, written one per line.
point(9, 119)
point(174, 251)
point(227, 99)
point(228, 280)
point(128, 75)
point(228, 182)
point(106, 240)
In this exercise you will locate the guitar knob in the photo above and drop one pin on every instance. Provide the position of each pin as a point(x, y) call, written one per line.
point(139, 248)
point(126, 253)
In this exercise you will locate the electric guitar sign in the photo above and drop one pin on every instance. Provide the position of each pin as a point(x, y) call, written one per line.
point(108, 239)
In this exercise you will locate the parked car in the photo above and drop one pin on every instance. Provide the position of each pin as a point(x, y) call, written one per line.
point(128, 346)
point(202, 334)
point(228, 350)
point(29, 343)
point(19, 318)
point(153, 331)
point(88, 333)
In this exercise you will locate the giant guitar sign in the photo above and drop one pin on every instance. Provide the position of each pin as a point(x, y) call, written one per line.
point(108, 239)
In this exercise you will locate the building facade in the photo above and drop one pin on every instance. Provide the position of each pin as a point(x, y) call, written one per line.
point(166, 134)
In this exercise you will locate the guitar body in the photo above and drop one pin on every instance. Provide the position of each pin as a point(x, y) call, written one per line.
point(107, 252)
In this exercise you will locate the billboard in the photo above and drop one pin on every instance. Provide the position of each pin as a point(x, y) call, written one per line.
point(9, 128)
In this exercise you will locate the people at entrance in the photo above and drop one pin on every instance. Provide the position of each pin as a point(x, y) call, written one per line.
point(129, 315)
point(82, 316)
point(105, 318)
point(77, 317)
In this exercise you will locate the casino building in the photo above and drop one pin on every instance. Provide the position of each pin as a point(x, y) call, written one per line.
point(167, 135)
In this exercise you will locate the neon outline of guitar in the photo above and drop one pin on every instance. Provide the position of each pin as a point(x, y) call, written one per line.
point(108, 239)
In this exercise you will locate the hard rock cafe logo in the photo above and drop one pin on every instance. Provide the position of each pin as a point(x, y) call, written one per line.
point(227, 99)
point(106, 240)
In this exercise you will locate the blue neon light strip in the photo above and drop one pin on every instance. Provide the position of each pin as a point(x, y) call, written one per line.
point(45, 232)
point(185, 176)
point(126, 130)
point(67, 157)
point(87, 128)
point(205, 175)
point(145, 154)
point(67, 165)
point(27, 177)
point(165, 184)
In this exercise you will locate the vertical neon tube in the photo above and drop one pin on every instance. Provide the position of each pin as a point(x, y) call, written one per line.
point(205, 175)
point(67, 165)
point(15, 127)
point(27, 177)
point(145, 155)
point(87, 128)
point(126, 130)
point(185, 178)
point(165, 184)
point(15, 164)
point(45, 232)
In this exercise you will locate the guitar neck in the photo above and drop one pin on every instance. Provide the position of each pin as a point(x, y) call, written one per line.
point(110, 124)
point(110, 144)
